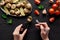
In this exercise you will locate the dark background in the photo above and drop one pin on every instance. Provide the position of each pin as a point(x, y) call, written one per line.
point(6, 30)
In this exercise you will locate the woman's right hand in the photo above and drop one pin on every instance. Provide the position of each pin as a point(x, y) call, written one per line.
point(44, 30)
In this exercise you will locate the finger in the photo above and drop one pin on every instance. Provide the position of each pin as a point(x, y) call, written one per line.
point(18, 27)
point(44, 24)
point(47, 28)
point(23, 34)
point(40, 23)
point(21, 29)
point(42, 28)
point(37, 24)
point(16, 31)
point(43, 33)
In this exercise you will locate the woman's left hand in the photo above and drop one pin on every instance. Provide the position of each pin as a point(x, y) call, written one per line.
point(16, 34)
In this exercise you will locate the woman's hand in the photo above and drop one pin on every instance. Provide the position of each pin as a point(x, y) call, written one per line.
point(44, 30)
point(16, 34)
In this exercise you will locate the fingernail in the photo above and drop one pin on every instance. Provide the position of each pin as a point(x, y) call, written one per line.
point(21, 24)
point(26, 29)
point(41, 26)
point(35, 24)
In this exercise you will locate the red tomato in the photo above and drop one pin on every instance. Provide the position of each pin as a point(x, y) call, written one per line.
point(57, 2)
point(36, 12)
point(37, 1)
point(59, 8)
point(51, 11)
point(54, 6)
point(52, 19)
point(57, 12)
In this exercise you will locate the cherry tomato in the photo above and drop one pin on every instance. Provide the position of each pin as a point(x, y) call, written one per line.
point(54, 6)
point(52, 19)
point(36, 12)
point(51, 11)
point(57, 12)
point(57, 2)
point(59, 8)
point(37, 1)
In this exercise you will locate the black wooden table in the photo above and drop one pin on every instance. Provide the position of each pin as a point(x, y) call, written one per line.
point(33, 33)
